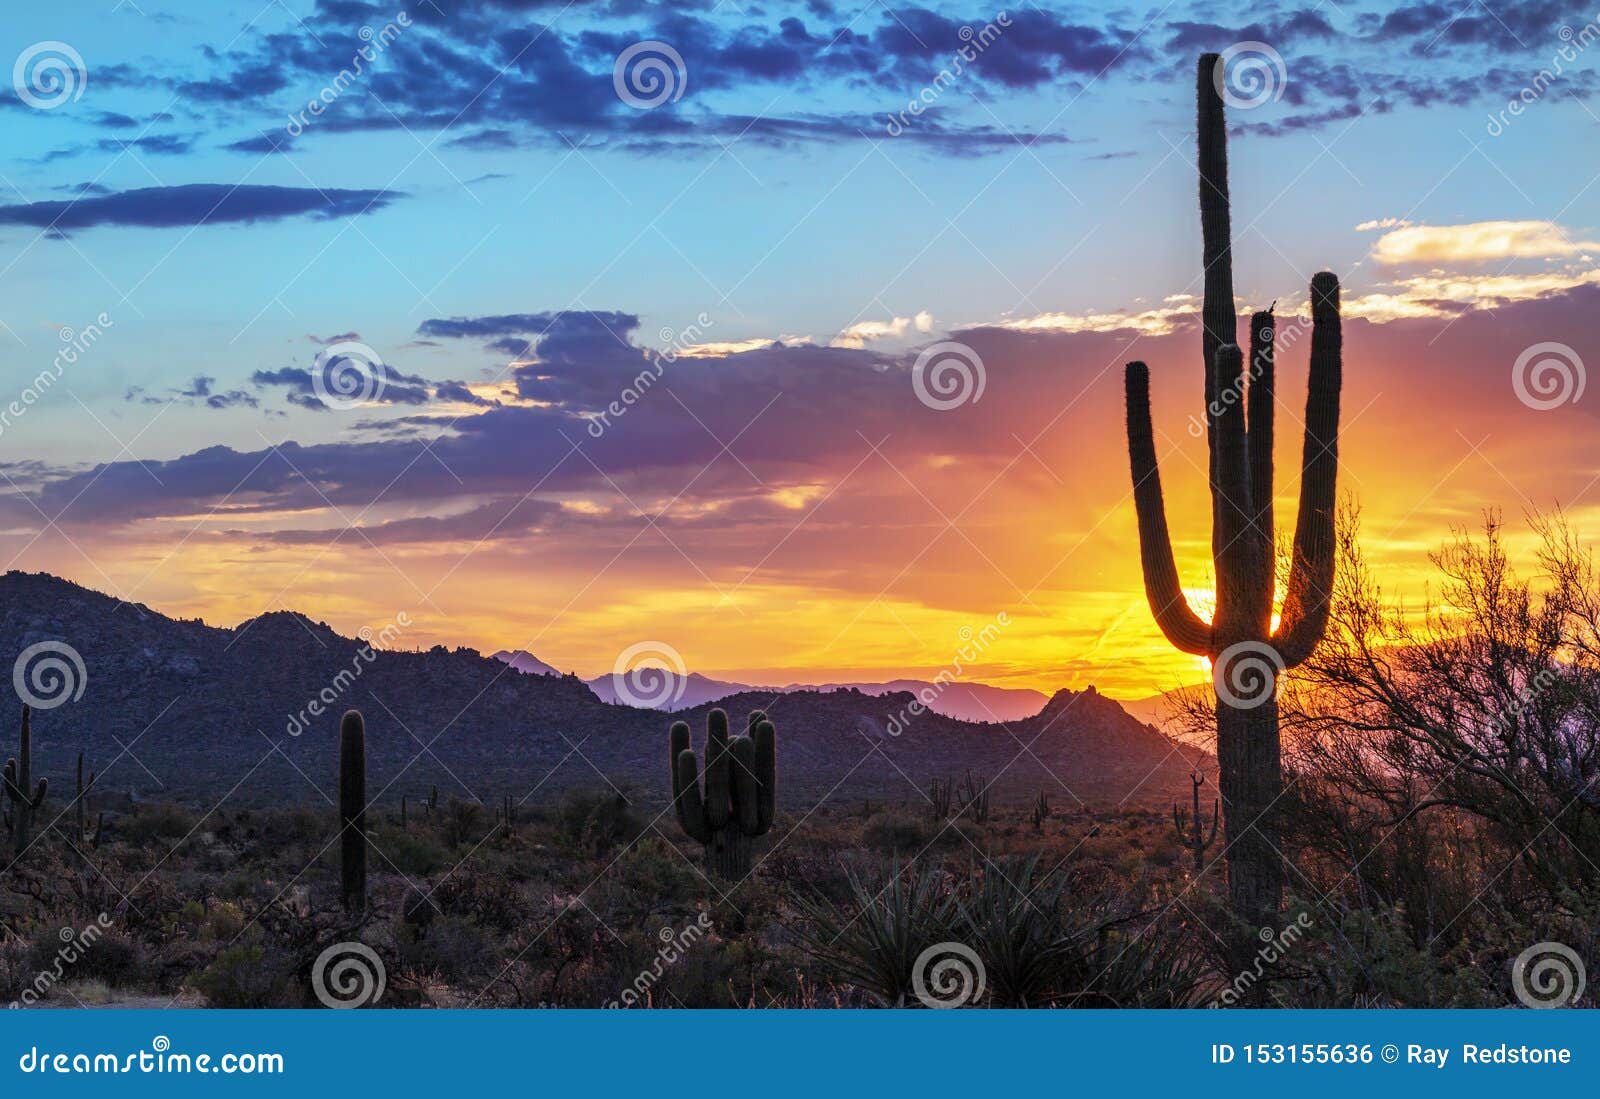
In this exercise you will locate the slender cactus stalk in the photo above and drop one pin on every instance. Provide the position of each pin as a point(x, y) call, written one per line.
point(1247, 654)
point(353, 811)
point(18, 777)
point(1188, 825)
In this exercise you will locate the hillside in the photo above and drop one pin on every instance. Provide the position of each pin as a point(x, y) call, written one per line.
point(182, 709)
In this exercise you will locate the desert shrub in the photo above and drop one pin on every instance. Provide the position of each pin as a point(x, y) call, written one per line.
point(411, 853)
point(874, 940)
point(250, 976)
point(597, 820)
point(897, 833)
point(156, 822)
point(456, 950)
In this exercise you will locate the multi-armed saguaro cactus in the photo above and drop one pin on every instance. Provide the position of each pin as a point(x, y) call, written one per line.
point(741, 789)
point(1188, 826)
point(18, 777)
point(353, 811)
point(1247, 654)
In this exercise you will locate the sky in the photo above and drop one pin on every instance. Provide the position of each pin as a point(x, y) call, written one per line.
point(785, 338)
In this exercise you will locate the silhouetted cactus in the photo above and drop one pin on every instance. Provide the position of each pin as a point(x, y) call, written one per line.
point(939, 797)
point(972, 799)
point(1040, 811)
point(18, 777)
point(740, 795)
point(353, 811)
point(1247, 654)
point(1189, 828)
point(80, 808)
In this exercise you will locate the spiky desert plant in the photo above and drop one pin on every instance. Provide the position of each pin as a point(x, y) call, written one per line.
point(18, 778)
point(353, 811)
point(1247, 654)
point(740, 794)
point(939, 797)
point(80, 803)
point(1189, 826)
point(1040, 811)
point(972, 799)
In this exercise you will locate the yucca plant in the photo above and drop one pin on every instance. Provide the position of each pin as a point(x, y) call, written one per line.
point(873, 942)
point(1247, 653)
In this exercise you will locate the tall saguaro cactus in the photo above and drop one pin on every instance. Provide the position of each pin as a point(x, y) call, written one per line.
point(1189, 827)
point(353, 811)
point(741, 787)
point(18, 777)
point(1247, 654)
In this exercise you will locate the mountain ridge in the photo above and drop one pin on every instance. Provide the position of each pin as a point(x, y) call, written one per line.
point(181, 709)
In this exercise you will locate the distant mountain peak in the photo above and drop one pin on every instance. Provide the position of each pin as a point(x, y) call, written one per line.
point(525, 662)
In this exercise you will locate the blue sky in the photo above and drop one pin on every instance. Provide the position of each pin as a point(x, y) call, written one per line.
point(485, 166)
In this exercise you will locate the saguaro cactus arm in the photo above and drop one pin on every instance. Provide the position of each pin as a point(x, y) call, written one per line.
point(1185, 629)
point(1310, 589)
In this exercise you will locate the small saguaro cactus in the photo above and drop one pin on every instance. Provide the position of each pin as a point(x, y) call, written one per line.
point(80, 803)
point(939, 795)
point(1189, 828)
point(18, 777)
point(353, 811)
point(972, 799)
point(741, 787)
point(1040, 812)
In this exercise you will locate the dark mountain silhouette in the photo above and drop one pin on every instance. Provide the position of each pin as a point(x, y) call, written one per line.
point(177, 708)
point(966, 701)
point(526, 663)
